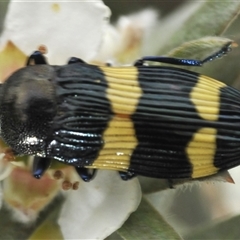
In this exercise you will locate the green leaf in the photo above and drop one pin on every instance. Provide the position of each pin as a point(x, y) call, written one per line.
point(200, 48)
point(48, 228)
point(151, 185)
point(211, 18)
point(146, 223)
point(3, 10)
point(228, 229)
point(227, 69)
point(12, 229)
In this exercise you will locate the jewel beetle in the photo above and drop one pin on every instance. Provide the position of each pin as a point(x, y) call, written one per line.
point(155, 121)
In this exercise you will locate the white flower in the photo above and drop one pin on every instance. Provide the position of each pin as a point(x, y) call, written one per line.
point(74, 28)
point(128, 39)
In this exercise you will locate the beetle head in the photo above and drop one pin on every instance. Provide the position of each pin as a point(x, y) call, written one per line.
point(27, 107)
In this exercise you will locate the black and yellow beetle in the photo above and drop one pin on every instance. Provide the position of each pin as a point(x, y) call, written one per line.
point(156, 121)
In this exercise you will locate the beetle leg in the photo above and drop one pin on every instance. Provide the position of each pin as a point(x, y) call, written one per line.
point(185, 62)
point(75, 60)
point(36, 58)
point(170, 183)
point(170, 60)
point(40, 165)
point(86, 174)
point(126, 175)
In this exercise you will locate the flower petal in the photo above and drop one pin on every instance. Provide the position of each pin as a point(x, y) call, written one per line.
point(27, 196)
point(64, 27)
point(11, 59)
point(99, 207)
point(128, 39)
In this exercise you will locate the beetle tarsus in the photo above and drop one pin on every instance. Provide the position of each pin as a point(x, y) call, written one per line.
point(170, 183)
point(139, 62)
point(223, 51)
point(36, 58)
point(86, 174)
point(40, 165)
point(75, 60)
point(126, 175)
